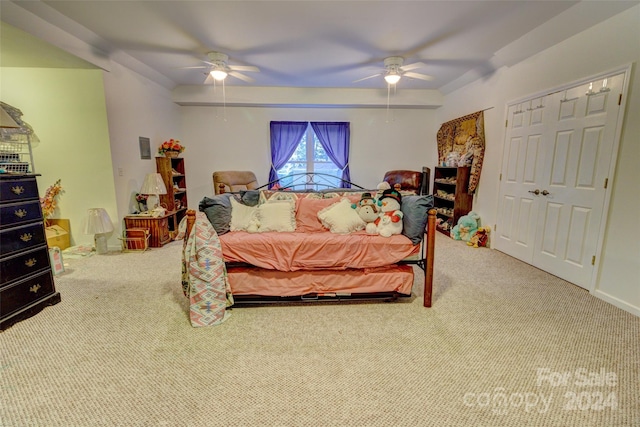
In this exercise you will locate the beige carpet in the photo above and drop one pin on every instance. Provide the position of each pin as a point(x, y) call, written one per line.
point(493, 351)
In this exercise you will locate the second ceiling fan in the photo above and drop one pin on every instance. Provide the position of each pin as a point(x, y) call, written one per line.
point(394, 70)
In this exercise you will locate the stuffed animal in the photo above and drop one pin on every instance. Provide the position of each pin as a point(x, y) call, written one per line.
point(367, 208)
point(390, 220)
point(480, 238)
point(467, 226)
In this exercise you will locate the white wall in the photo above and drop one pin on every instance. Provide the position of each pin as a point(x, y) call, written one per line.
point(405, 141)
point(66, 108)
point(135, 107)
point(603, 47)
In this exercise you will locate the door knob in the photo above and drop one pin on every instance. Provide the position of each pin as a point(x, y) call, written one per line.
point(536, 191)
point(545, 193)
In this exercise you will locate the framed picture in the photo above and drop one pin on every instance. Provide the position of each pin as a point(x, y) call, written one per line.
point(145, 147)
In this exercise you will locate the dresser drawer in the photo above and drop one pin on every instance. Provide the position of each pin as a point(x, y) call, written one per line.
point(24, 264)
point(18, 189)
point(19, 213)
point(21, 238)
point(25, 292)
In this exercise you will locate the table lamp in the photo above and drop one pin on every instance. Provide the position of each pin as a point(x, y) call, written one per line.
point(153, 186)
point(99, 224)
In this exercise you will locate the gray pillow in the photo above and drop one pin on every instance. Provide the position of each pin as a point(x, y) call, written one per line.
point(414, 220)
point(249, 197)
point(218, 211)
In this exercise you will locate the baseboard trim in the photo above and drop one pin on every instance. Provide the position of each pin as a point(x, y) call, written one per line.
point(617, 302)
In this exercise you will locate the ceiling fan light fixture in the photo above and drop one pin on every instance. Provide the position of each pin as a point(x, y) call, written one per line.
point(392, 77)
point(219, 75)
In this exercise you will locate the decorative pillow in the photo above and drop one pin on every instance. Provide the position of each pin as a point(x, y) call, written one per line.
point(307, 220)
point(341, 218)
point(243, 217)
point(250, 197)
point(218, 211)
point(270, 195)
point(279, 215)
point(415, 217)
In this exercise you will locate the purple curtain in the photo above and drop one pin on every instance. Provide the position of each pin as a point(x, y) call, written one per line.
point(285, 137)
point(334, 137)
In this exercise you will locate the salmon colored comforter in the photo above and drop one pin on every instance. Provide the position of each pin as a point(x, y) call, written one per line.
point(293, 251)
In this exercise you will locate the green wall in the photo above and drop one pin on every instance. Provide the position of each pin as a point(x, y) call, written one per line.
point(66, 108)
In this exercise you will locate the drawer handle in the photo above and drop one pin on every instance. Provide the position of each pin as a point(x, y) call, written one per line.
point(26, 237)
point(18, 190)
point(20, 213)
point(35, 288)
point(30, 262)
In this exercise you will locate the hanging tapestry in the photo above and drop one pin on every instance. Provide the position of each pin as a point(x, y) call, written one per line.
point(462, 139)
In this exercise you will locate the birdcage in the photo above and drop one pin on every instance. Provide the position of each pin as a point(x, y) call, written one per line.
point(16, 139)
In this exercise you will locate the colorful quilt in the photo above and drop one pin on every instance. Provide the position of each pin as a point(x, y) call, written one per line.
point(204, 275)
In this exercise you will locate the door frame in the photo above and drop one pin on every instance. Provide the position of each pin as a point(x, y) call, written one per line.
point(626, 71)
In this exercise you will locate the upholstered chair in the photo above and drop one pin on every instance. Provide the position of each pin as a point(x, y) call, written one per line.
point(409, 181)
point(229, 181)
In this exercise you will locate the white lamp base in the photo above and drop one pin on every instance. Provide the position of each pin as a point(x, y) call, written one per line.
point(101, 244)
point(153, 202)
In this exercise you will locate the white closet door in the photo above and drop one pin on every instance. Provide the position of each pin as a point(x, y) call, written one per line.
point(522, 170)
point(556, 163)
point(576, 169)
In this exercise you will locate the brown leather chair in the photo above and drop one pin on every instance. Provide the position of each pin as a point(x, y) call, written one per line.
point(410, 181)
point(230, 181)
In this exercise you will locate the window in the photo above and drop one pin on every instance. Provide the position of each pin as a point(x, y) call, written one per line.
point(316, 147)
point(310, 157)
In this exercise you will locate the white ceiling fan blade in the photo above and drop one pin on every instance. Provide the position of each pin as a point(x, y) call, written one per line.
point(367, 78)
point(418, 76)
point(249, 68)
point(413, 66)
point(192, 68)
point(241, 76)
point(209, 79)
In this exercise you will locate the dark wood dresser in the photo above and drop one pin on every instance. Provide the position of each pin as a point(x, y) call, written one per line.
point(26, 280)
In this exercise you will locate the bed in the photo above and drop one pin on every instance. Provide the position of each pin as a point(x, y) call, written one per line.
point(306, 261)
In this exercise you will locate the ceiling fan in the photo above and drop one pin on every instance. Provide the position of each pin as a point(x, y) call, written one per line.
point(394, 70)
point(219, 68)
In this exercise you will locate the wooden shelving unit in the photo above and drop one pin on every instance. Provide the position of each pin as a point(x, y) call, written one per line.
point(175, 201)
point(450, 195)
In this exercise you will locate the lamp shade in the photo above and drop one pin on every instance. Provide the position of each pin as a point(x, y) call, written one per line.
point(153, 184)
point(98, 222)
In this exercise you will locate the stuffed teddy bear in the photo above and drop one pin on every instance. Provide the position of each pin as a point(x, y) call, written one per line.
point(367, 208)
point(389, 221)
point(480, 238)
point(467, 226)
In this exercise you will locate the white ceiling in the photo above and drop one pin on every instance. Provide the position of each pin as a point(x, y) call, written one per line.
point(314, 43)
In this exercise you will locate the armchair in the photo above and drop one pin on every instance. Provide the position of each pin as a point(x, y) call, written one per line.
point(408, 180)
point(226, 181)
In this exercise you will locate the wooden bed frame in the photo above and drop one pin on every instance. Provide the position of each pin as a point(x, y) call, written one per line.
point(425, 262)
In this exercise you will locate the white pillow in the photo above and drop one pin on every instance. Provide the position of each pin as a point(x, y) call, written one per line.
point(242, 216)
point(277, 215)
point(341, 218)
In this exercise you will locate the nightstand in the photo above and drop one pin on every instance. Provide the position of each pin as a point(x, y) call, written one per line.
point(158, 227)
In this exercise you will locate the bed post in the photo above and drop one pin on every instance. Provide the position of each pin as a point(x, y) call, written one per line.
point(428, 271)
point(191, 220)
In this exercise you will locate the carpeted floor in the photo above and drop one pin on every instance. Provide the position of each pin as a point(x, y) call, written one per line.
point(504, 344)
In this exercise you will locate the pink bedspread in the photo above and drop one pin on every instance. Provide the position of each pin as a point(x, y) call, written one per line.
point(310, 251)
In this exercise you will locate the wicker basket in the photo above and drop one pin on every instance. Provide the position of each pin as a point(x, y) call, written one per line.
point(171, 154)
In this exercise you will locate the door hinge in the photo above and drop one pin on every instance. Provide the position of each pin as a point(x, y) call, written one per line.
point(593, 260)
point(495, 227)
point(606, 182)
point(500, 177)
point(620, 99)
point(506, 123)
